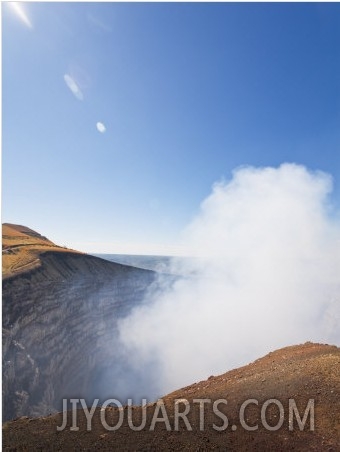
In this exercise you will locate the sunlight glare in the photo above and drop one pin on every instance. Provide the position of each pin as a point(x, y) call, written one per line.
point(17, 8)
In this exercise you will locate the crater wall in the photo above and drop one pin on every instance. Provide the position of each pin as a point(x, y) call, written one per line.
point(59, 329)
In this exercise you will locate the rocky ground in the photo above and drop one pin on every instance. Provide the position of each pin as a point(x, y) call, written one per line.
point(308, 374)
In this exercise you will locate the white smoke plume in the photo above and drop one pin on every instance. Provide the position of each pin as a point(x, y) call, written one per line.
point(266, 274)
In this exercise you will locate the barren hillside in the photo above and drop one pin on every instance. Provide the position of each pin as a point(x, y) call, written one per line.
point(300, 373)
point(22, 248)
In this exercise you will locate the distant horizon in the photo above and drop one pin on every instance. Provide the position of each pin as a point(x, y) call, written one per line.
point(170, 252)
point(116, 247)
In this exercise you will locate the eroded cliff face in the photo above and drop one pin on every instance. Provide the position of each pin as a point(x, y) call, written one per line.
point(59, 330)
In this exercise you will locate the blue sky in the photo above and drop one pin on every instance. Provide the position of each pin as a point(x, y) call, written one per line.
point(186, 93)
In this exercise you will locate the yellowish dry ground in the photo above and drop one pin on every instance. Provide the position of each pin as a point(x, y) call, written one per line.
point(22, 248)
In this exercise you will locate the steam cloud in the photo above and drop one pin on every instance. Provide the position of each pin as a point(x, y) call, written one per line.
point(266, 274)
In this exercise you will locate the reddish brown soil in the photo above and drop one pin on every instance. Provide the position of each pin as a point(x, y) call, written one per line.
point(303, 372)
